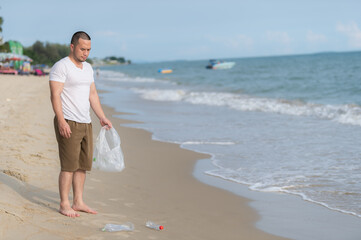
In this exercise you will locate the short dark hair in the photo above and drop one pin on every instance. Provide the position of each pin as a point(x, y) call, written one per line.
point(79, 34)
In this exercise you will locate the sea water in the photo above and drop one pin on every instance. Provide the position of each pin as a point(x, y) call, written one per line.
point(288, 124)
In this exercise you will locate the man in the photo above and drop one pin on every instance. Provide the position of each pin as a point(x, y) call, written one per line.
point(73, 92)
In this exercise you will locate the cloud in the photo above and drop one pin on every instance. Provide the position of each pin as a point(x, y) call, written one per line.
point(280, 42)
point(124, 47)
point(315, 38)
point(352, 31)
point(108, 34)
point(117, 35)
point(193, 52)
point(240, 41)
point(281, 37)
point(235, 42)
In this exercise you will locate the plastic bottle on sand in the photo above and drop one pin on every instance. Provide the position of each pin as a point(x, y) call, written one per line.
point(153, 225)
point(116, 227)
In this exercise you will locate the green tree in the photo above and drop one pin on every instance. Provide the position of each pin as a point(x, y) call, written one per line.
point(121, 60)
point(113, 58)
point(1, 30)
point(47, 53)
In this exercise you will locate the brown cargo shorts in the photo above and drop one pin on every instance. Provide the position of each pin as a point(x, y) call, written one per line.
point(76, 152)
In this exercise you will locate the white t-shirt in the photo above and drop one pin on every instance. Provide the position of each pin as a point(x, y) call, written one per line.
point(75, 95)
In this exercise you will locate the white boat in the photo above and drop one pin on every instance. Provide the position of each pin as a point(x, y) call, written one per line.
point(217, 64)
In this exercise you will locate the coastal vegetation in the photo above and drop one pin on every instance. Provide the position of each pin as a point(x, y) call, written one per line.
point(110, 61)
point(1, 29)
point(50, 53)
point(46, 53)
point(116, 60)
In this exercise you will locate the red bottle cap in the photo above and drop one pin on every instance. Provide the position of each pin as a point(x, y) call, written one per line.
point(161, 227)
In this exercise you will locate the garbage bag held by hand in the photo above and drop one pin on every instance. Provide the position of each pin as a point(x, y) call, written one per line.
point(108, 155)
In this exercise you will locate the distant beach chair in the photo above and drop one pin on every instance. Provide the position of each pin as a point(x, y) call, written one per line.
point(25, 69)
point(39, 72)
point(8, 71)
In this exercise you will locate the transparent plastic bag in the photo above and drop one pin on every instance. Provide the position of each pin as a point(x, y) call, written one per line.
point(128, 227)
point(108, 155)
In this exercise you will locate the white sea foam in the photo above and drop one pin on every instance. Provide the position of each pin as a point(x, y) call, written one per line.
point(161, 95)
point(207, 143)
point(345, 114)
point(121, 77)
point(227, 174)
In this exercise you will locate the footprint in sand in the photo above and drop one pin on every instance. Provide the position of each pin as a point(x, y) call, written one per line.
point(14, 149)
point(8, 213)
point(114, 216)
point(129, 205)
point(152, 237)
point(114, 199)
point(101, 203)
point(16, 175)
point(37, 156)
point(95, 180)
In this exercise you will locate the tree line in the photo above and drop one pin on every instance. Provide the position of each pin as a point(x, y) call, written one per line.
point(46, 53)
point(50, 53)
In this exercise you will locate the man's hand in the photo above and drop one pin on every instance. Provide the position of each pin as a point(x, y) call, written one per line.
point(105, 122)
point(64, 129)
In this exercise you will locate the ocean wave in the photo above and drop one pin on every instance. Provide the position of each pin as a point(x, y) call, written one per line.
point(230, 175)
point(206, 143)
point(161, 95)
point(345, 114)
point(121, 77)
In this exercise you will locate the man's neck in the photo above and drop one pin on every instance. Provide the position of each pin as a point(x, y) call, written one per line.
point(78, 64)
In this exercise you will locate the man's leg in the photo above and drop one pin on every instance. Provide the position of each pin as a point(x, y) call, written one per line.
point(65, 180)
point(78, 189)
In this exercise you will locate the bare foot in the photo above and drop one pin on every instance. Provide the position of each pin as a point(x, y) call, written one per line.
point(83, 208)
point(69, 212)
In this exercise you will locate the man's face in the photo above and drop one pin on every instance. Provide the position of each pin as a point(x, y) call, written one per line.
point(81, 50)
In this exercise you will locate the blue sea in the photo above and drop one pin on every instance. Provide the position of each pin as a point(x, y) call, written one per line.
point(289, 124)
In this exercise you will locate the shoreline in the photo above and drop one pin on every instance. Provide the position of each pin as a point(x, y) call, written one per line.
point(288, 215)
point(284, 214)
point(156, 184)
point(192, 197)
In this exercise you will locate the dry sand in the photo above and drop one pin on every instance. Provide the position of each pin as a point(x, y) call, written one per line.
point(157, 183)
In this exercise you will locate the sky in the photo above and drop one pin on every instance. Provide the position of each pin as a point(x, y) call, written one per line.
point(162, 30)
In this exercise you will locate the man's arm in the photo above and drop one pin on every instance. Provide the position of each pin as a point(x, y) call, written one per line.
point(56, 89)
point(97, 107)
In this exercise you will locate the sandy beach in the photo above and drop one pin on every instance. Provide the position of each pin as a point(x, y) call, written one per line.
point(157, 183)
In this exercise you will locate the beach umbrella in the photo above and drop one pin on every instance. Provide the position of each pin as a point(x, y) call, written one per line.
point(6, 57)
point(13, 57)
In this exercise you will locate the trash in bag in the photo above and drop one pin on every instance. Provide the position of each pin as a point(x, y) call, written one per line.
point(108, 155)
